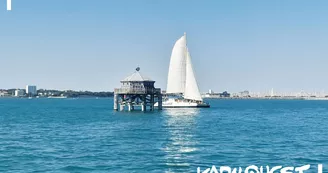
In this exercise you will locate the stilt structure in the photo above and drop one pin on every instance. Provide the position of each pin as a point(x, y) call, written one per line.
point(137, 91)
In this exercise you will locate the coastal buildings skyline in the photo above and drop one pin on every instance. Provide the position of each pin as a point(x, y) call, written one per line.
point(235, 45)
point(31, 91)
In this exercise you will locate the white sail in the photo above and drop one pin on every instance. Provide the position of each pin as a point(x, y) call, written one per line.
point(177, 70)
point(181, 79)
point(191, 90)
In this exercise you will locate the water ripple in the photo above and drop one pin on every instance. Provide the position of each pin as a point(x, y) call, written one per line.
point(85, 135)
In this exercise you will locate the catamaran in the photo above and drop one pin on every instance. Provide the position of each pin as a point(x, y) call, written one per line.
point(181, 80)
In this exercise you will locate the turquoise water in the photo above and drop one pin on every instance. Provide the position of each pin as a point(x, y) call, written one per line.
point(85, 135)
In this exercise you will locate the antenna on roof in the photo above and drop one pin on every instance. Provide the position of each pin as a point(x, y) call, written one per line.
point(138, 68)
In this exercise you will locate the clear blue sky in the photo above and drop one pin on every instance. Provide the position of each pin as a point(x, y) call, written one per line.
point(235, 45)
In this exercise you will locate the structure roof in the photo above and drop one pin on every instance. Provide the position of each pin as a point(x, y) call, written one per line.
point(136, 77)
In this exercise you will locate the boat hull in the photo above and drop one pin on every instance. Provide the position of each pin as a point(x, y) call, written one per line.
point(172, 103)
point(198, 106)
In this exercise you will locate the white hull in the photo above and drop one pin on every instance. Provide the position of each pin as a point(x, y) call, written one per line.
point(57, 97)
point(178, 103)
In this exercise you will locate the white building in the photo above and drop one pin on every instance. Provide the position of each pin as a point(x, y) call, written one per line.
point(19, 93)
point(3, 93)
point(31, 90)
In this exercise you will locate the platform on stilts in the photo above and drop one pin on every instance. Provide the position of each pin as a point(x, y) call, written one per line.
point(137, 91)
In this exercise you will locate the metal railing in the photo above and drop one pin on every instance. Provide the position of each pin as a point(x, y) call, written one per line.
point(136, 90)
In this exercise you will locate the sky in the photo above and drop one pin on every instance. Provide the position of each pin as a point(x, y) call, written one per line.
point(235, 45)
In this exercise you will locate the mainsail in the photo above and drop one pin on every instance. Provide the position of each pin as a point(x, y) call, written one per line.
point(181, 77)
point(191, 90)
point(177, 70)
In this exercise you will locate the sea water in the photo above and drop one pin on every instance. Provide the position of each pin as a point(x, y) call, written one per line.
point(86, 135)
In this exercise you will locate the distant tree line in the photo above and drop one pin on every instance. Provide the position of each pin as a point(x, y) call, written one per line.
point(67, 93)
point(87, 94)
point(74, 94)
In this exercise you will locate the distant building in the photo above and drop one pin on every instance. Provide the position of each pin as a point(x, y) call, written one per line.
point(224, 94)
point(4, 94)
point(244, 94)
point(212, 94)
point(31, 90)
point(19, 93)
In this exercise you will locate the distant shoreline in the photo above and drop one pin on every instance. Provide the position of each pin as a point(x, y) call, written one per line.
point(44, 93)
point(223, 98)
point(54, 98)
point(267, 98)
